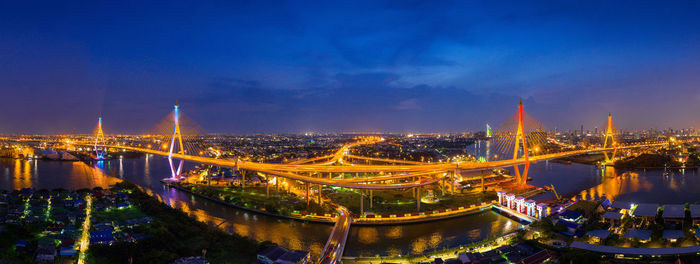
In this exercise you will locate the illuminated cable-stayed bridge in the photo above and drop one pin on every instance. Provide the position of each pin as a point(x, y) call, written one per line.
point(401, 173)
point(516, 140)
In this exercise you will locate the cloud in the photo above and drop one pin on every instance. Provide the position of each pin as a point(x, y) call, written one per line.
point(371, 101)
point(409, 104)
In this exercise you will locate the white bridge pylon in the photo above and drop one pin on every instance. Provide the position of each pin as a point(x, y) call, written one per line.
point(100, 141)
point(176, 135)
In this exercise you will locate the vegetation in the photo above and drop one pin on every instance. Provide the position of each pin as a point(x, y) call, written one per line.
point(255, 198)
point(648, 161)
point(119, 215)
point(402, 201)
point(14, 233)
point(173, 235)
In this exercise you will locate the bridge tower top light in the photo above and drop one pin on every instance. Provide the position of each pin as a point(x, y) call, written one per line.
point(100, 140)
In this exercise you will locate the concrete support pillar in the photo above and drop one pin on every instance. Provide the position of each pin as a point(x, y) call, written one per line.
point(453, 177)
point(267, 187)
point(308, 186)
point(442, 186)
point(277, 185)
point(362, 198)
point(418, 199)
point(243, 180)
point(370, 197)
point(320, 189)
point(483, 185)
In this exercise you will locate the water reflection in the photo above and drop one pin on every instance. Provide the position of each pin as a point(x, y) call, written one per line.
point(51, 174)
point(426, 237)
point(646, 186)
point(589, 181)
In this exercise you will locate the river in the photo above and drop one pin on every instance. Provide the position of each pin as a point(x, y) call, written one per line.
point(576, 179)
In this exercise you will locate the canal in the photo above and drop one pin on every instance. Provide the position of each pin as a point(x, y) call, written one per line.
point(587, 181)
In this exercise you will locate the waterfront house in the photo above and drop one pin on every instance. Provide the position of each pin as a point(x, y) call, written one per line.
point(614, 218)
point(101, 237)
point(620, 207)
point(21, 245)
point(673, 214)
point(642, 234)
point(673, 235)
point(539, 257)
point(598, 235)
point(45, 253)
point(191, 260)
point(695, 213)
point(571, 216)
point(645, 213)
point(271, 254)
point(542, 210)
point(572, 228)
point(68, 251)
point(520, 204)
point(501, 197)
point(138, 221)
point(279, 255)
point(510, 200)
point(294, 257)
point(530, 207)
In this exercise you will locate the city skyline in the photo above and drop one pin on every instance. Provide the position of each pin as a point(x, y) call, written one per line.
point(384, 67)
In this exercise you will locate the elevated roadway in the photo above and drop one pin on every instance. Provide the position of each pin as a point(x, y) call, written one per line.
point(426, 173)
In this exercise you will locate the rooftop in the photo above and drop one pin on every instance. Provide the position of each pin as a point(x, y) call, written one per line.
point(599, 233)
point(293, 256)
point(673, 234)
point(273, 252)
point(570, 215)
point(674, 211)
point(641, 234)
point(695, 210)
point(636, 251)
point(621, 205)
point(646, 210)
point(612, 215)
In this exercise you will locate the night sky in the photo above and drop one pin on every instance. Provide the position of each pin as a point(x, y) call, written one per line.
point(403, 66)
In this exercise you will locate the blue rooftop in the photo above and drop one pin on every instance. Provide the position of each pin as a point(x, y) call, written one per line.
point(101, 237)
point(641, 234)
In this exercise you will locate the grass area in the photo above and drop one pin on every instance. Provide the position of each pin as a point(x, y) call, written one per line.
point(174, 235)
point(119, 215)
point(402, 201)
point(256, 198)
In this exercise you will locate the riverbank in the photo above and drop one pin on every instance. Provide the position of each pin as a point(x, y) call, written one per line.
point(325, 219)
point(172, 234)
point(365, 220)
point(481, 246)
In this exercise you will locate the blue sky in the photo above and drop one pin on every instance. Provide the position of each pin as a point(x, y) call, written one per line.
point(399, 66)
